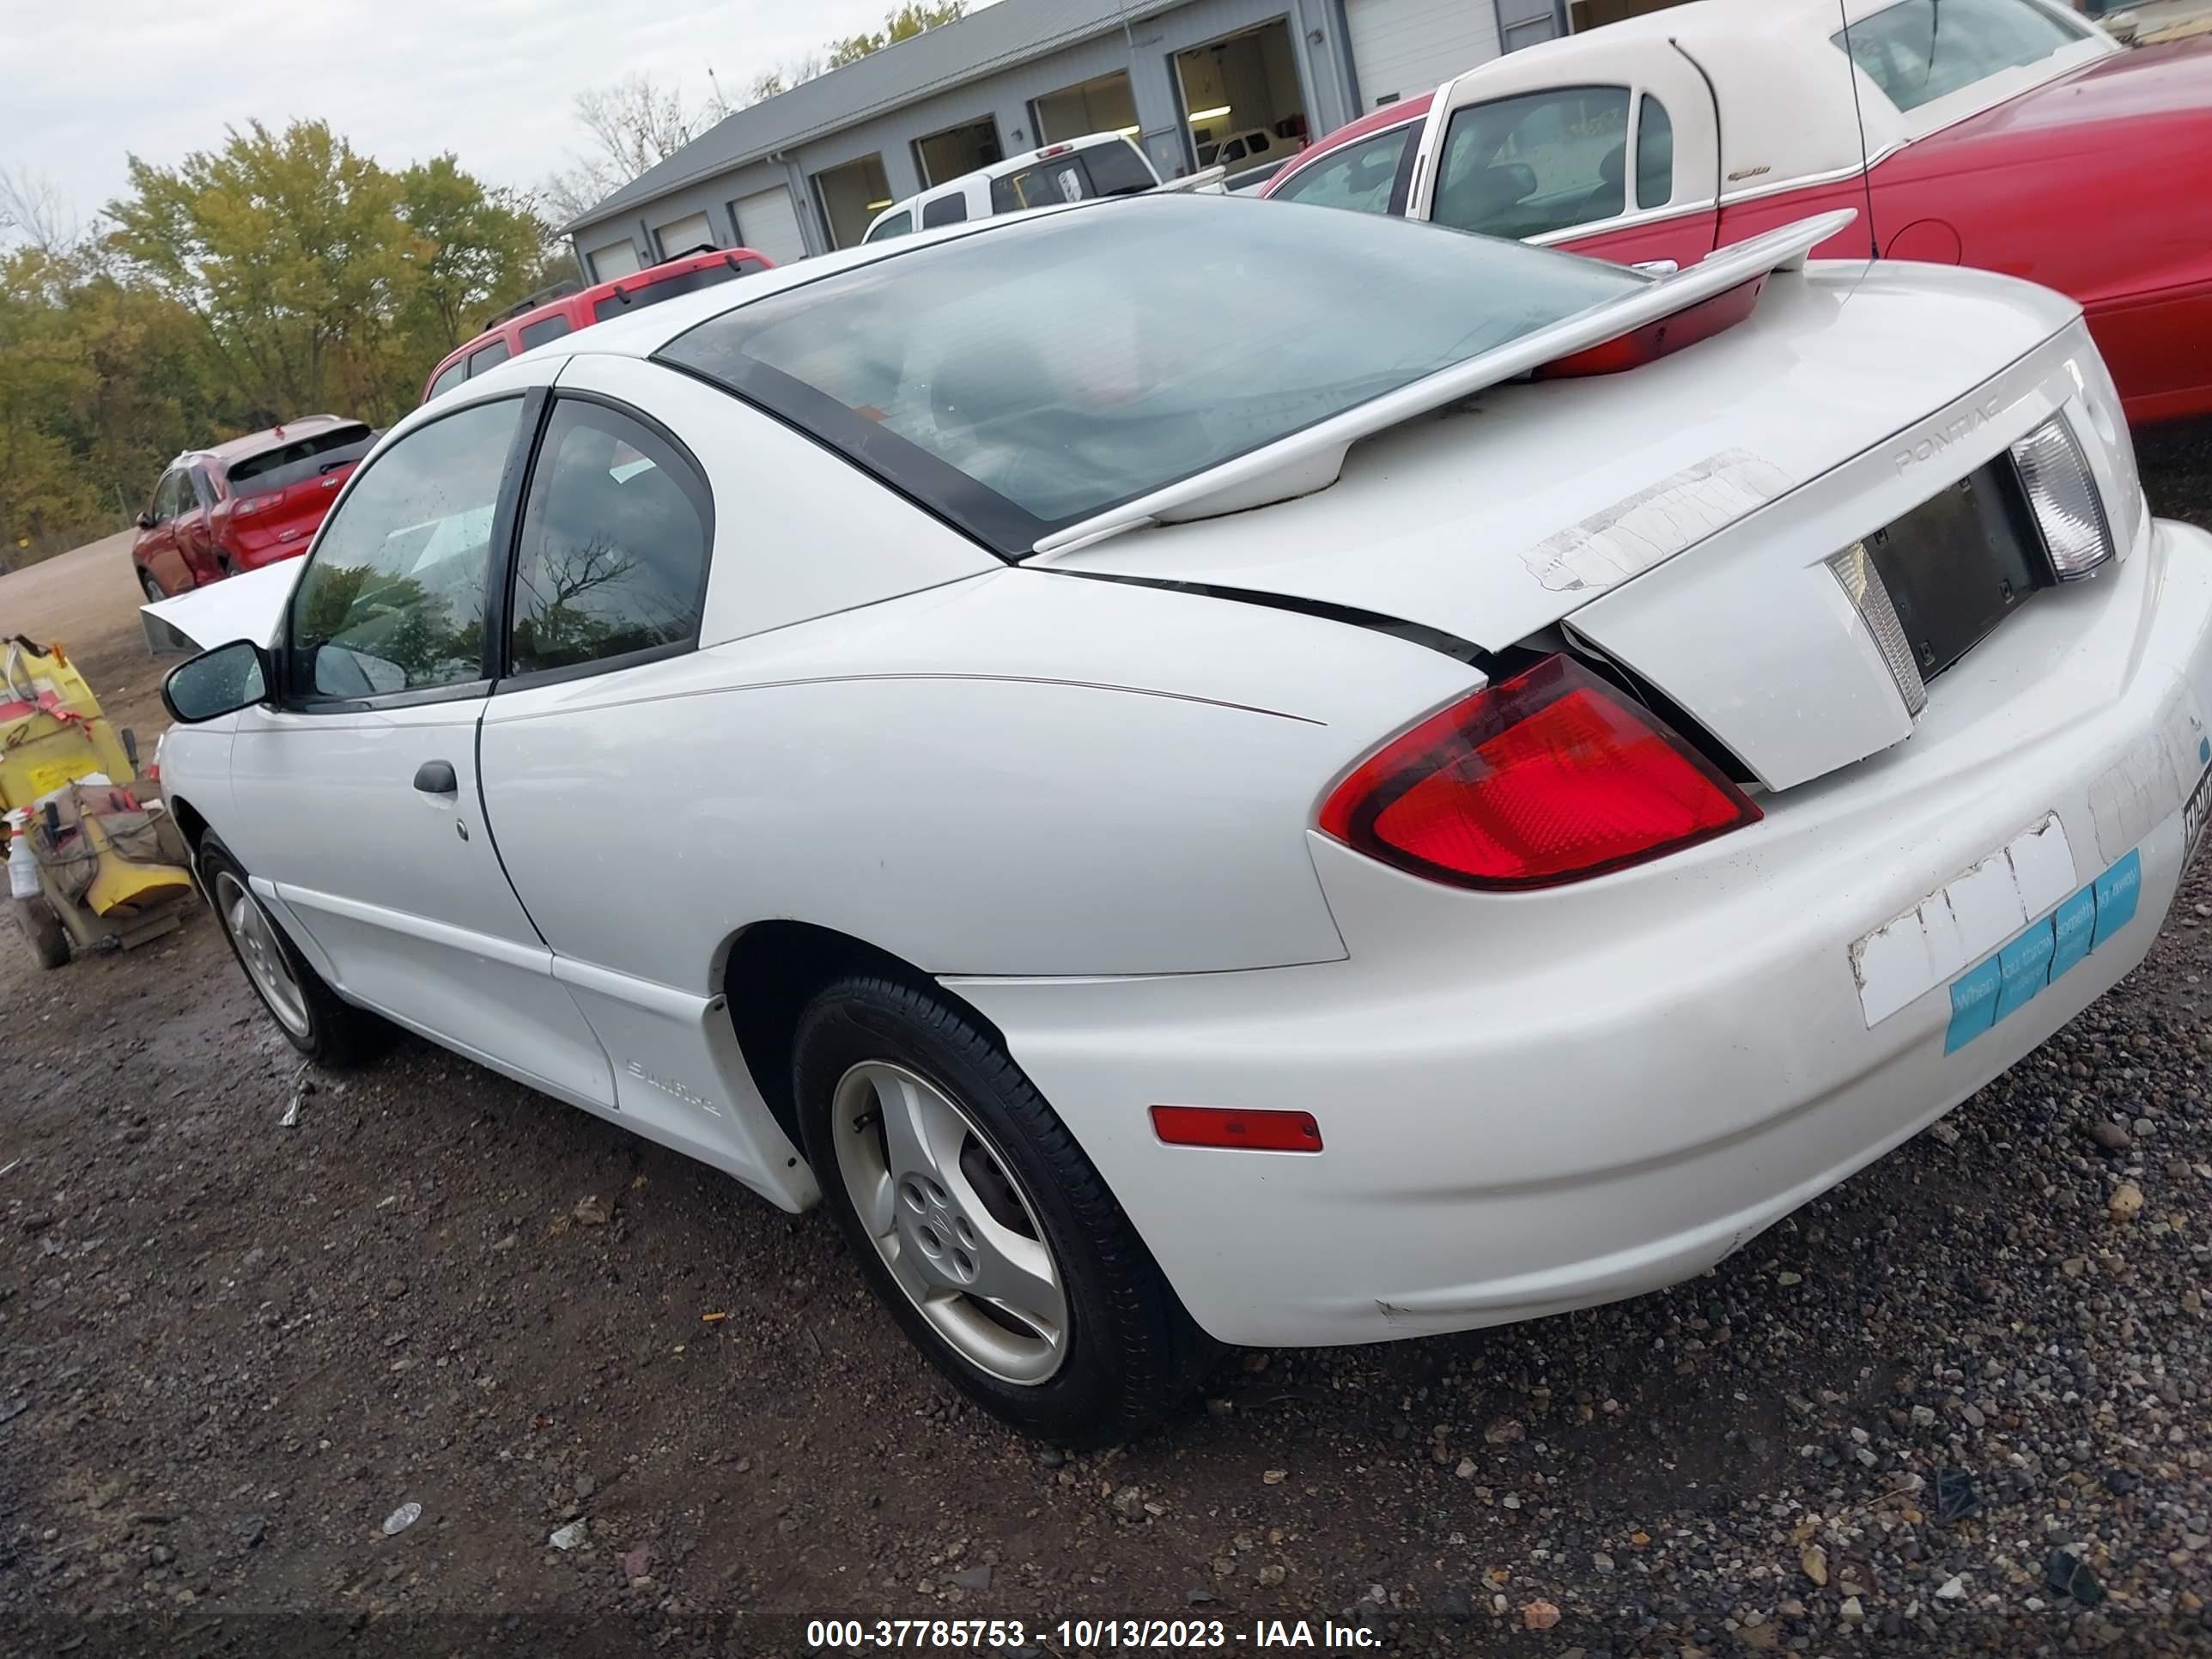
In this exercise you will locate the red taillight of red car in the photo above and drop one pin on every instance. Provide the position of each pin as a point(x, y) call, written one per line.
point(1549, 777)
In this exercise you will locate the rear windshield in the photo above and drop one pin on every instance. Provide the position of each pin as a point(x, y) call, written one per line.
point(1016, 380)
point(1923, 50)
point(1113, 169)
point(302, 457)
point(630, 298)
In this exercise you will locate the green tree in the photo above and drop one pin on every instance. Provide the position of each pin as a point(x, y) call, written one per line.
point(280, 275)
point(908, 21)
point(323, 281)
point(291, 248)
point(475, 251)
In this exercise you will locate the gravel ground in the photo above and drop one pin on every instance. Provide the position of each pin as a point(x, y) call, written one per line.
point(1960, 1404)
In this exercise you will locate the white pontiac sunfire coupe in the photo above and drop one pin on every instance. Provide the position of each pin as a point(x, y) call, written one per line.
point(1464, 792)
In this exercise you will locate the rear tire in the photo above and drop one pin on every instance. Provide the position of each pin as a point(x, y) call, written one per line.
point(49, 939)
point(314, 1019)
point(979, 1222)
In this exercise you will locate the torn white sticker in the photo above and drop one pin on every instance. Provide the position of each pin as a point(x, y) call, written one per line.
point(2145, 785)
point(1963, 920)
point(1655, 524)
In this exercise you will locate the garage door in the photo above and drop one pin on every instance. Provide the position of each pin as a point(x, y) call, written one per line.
point(766, 224)
point(684, 236)
point(615, 259)
point(1401, 47)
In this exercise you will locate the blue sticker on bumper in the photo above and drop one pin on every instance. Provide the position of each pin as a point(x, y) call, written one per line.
point(2075, 925)
point(2116, 892)
point(2038, 955)
point(1973, 1005)
point(2024, 966)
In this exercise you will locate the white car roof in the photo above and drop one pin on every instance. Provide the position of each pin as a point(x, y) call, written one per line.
point(1787, 114)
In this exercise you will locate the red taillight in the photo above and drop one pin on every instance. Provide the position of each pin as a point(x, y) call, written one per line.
point(1659, 339)
point(1258, 1131)
point(251, 505)
point(1548, 777)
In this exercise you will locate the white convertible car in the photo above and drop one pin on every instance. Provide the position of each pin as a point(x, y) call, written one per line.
point(1466, 792)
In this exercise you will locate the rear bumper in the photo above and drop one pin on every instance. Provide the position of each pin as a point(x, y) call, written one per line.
point(1533, 1103)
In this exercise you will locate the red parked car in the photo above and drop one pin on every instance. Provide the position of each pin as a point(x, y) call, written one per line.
point(239, 505)
point(543, 317)
point(2012, 135)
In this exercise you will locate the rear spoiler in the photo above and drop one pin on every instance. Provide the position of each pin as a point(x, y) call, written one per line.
point(1310, 459)
point(1207, 181)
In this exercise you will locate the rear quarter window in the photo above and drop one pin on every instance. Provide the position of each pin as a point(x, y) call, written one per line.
point(544, 328)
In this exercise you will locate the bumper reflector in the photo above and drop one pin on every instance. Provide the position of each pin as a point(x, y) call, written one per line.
point(1241, 1130)
point(2062, 492)
point(1862, 585)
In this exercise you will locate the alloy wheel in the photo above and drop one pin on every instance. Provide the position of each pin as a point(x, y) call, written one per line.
point(950, 1222)
point(261, 952)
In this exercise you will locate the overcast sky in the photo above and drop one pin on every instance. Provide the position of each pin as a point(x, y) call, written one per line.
point(83, 83)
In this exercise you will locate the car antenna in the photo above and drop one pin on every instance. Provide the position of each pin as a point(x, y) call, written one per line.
point(1866, 171)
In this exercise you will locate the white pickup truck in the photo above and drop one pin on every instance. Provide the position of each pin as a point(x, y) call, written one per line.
point(1075, 170)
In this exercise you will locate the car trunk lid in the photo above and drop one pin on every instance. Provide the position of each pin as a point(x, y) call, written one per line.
point(1736, 467)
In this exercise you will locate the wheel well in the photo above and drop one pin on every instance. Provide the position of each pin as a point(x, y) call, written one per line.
point(774, 970)
point(190, 824)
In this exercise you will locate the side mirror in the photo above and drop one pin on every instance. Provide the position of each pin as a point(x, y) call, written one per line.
point(217, 682)
point(145, 521)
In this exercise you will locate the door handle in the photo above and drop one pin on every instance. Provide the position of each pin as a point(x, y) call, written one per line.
point(437, 778)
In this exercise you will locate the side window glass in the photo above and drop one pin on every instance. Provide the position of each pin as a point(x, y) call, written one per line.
point(1655, 154)
point(1359, 176)
point(1538, 162)
point(197, 492)
point(496, 352)
point(945, 210)
point(544, 328)
point(451, 378)
point(165, 496)
point(898, 225)
point(613, 555)
point(1260, 143)
point(392, 596)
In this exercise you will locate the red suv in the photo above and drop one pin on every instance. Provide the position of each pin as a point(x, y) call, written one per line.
point(541, 318)
point(239, 505)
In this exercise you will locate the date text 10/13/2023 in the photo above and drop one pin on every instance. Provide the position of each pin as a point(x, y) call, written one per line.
point(992, 1636)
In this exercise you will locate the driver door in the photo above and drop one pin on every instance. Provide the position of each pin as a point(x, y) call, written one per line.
point(357, 805)
point(1622, 164)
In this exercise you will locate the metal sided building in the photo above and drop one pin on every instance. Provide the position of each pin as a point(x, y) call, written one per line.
point(805, 171)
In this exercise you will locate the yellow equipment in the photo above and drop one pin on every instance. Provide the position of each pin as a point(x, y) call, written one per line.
point(88, 863)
